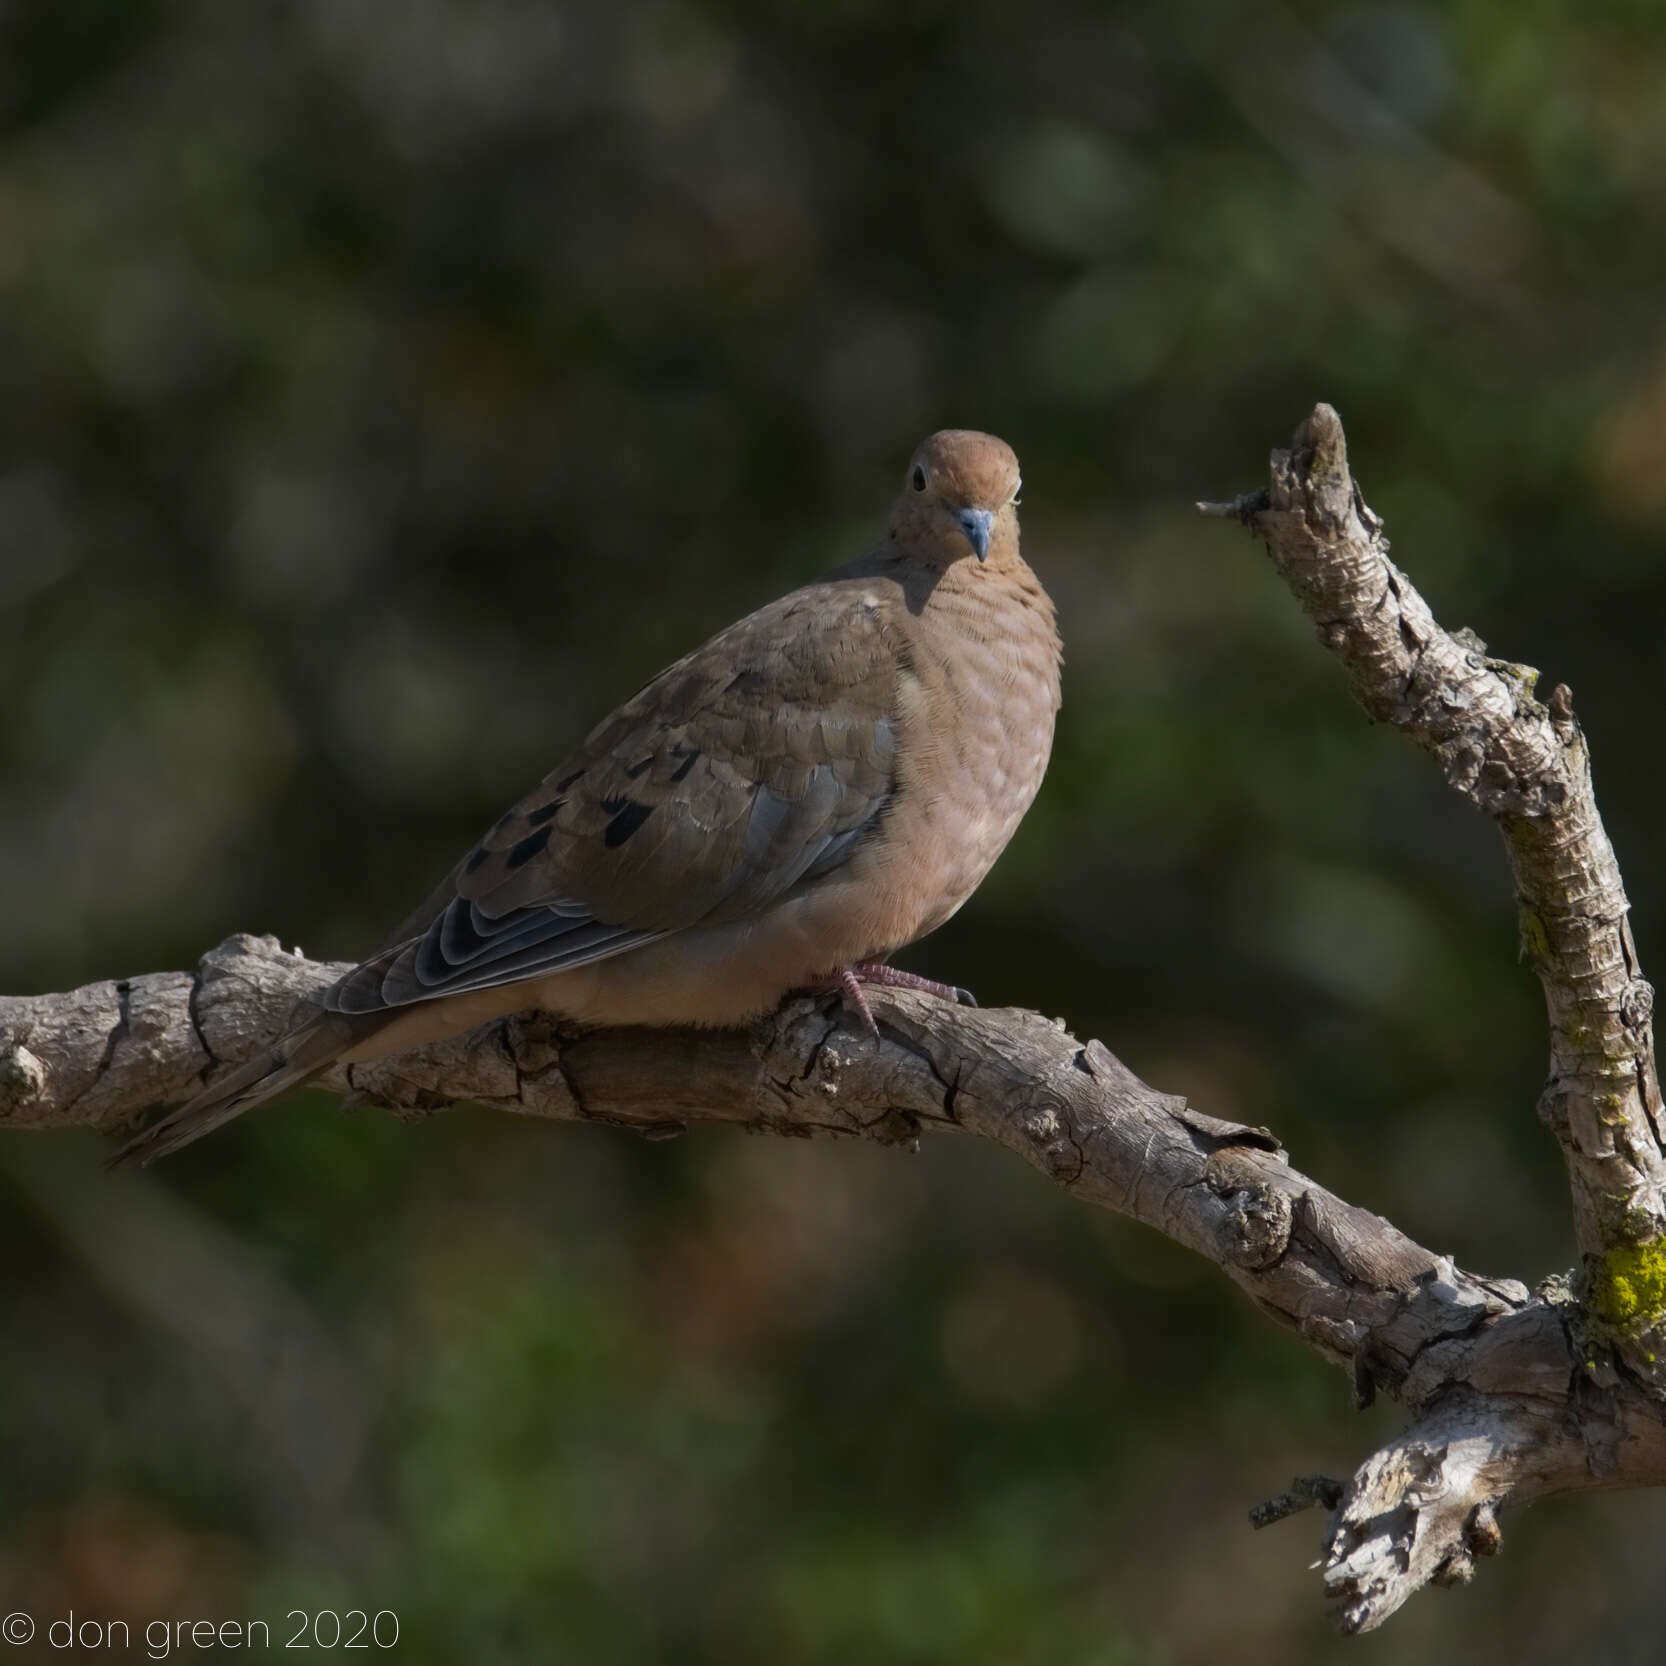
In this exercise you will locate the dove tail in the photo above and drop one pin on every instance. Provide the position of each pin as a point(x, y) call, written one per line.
point(295, 1058)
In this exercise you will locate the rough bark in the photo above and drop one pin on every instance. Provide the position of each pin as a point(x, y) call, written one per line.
point(1513, 1395)
point(1526, 764)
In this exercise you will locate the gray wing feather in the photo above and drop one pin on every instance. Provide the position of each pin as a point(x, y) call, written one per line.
point(465, 950)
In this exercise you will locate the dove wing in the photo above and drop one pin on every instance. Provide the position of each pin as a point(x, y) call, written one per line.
point(752, 765)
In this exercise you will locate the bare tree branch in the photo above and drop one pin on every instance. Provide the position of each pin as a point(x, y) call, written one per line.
point(1525, 764)
point(1514, 1396)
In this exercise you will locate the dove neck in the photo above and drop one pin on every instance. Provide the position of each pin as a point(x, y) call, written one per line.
point(962, 582)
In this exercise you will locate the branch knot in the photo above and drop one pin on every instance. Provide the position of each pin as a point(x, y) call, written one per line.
point(22, 1077)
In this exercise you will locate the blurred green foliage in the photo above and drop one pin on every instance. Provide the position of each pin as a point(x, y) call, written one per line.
point(391, 388)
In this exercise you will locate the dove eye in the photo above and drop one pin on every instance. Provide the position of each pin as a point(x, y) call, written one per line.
point(919, 477)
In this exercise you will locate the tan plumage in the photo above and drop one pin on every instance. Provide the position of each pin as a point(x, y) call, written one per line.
point(816, 786)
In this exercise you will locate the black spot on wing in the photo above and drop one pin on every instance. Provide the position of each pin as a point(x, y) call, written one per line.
point(477, 859)
point(519, 855)
point(628, 815)
point(544, 812)
point(566, 781)
point(690, 756)
point(640, 768)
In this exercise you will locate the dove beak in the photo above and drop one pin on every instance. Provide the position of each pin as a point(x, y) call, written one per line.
point(975, 523)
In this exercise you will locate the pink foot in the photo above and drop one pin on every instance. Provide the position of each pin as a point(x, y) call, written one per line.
point(888, 977)
point(849, 985)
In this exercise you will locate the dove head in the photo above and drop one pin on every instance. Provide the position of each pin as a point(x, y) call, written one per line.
point(959, 499)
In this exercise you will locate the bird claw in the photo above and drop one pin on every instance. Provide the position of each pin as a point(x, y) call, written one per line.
point(891, 977)
point(855, 1002)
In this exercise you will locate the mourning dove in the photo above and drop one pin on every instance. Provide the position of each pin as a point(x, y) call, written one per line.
point(818, 785)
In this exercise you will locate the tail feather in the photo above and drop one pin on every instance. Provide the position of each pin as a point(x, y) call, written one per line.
point(296, 1058)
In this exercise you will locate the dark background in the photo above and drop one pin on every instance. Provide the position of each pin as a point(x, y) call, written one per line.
point(390, 388)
